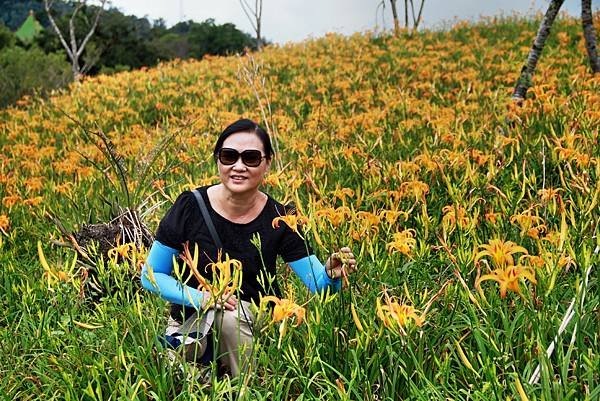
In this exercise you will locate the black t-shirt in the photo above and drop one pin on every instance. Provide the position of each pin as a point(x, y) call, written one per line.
point(184, 222)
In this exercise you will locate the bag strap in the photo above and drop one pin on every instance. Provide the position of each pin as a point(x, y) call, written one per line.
point(207, 219)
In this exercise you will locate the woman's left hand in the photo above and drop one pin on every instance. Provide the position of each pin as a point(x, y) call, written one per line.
point(340, 264)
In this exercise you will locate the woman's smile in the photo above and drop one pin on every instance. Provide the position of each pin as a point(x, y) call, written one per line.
point(238, 178)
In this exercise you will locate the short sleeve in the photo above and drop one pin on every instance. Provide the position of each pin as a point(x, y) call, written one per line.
point(173, 228)
point(292, 246)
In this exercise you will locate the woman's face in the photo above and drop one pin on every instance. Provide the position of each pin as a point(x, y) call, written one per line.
point(239, 178)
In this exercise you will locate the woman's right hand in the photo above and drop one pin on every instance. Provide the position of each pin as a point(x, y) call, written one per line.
point(340, 264)
point(226, 301)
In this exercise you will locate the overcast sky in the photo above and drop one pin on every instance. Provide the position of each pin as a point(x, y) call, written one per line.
point(295, 20)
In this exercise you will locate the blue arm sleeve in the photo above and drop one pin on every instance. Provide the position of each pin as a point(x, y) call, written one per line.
point(157, 278)
point(312, 273)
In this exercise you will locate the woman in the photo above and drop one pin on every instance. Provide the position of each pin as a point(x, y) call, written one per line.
point(239, 211)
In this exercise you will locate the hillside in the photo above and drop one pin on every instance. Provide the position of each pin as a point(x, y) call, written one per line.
point(406, 149)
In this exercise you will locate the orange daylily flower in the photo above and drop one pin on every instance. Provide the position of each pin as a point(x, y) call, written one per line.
point(272, 180)
point(534, 232)
point(492, 217)
point(426, 161)
point(367, 224)
point(396, 316)
point(34, 184)
point(407, 167)
point(455, 215)
point(369, 218)
point(222, 282)
point(4, 224)
point(531, 225)
point(343, 193)
point(500, 252)
point(285, 308)
point(417, 189)
point(10, 200)
point(565, 261)
point(293, 221)
point(335, 216)
point(533, 260)
point(403, 242)
point(391, 216)
point(549, 194)
point(121, 250)
point(508, 278)
point(479, 157)
point(35, 201)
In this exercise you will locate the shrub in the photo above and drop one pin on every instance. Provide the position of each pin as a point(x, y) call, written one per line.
point(24, 72)
point(7, 38)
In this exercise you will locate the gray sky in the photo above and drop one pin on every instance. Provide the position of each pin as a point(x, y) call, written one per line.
point(295, 20)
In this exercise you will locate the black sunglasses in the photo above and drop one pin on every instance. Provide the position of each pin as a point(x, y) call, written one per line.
point(250, 157)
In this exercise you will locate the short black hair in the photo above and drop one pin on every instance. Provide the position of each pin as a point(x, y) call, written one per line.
point(245, 125)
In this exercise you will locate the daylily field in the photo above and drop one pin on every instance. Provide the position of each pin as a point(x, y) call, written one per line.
point(474, 220)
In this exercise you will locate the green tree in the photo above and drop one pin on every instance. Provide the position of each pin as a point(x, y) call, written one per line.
point(171, 45)
point(25, 72)
point(7, 38)
point(124, 40)
point(210, 38)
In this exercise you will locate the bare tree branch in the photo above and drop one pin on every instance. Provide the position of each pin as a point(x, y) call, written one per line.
point(248, 11)
point(56, 29)
point(254, 15)
point(93, 29)
point(381, 6)
point(74, 51)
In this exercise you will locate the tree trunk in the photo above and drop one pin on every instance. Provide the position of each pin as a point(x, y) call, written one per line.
point(259, 5)
point(74, 52)
point(395, 15)
point(524, 81)
point(589, 33)
point(75, 69)
point(406, 14)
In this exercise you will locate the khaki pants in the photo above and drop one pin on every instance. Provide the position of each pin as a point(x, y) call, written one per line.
point(232, 331)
